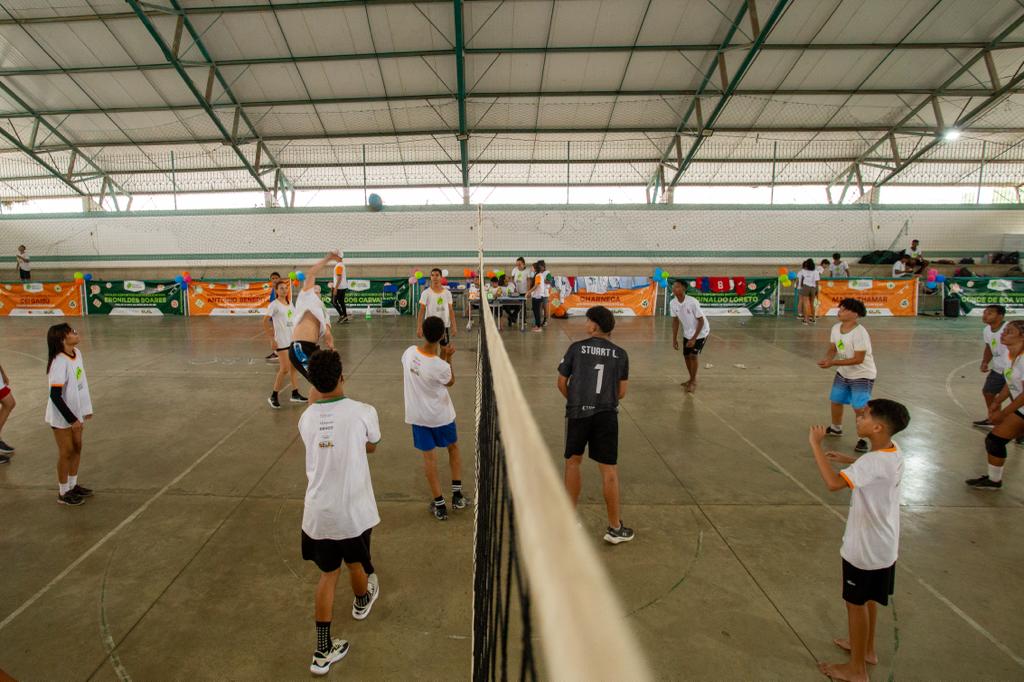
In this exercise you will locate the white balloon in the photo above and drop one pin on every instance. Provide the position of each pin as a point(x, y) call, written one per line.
point(444, 273)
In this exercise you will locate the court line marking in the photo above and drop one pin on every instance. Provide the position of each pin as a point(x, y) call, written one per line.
point(105, 633)
point(949, 384)
point(978, 627)
point(127, 520)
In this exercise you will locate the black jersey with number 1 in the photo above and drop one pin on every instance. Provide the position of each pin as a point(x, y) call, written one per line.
point(594, 368)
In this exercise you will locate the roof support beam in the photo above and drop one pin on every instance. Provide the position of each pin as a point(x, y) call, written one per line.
point(933, 100)
point(203, 99)
point(460, 78)
point(66, 143)
point(728, 89)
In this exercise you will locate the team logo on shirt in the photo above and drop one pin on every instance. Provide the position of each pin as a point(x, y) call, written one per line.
point(840, 345)
point(440, 300)
point(325, 444)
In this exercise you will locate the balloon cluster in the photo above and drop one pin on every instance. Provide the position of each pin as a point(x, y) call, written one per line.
point(184, 279)
point(934, 279)
point(786, 277)
point(83, 277)
point(468, 273)
point(660, 277)
point(297, 276)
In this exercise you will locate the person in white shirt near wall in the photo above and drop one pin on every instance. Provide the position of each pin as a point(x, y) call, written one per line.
point(339, 288)
point(899, 268)
point(278, 324)
point(917, 262)
point(849, 351)
point(807, 289)
point(687, 313)
point(339, 511)
point(520, 277)
point(995, 358)
point(838, 267)
point(24, 264)
point(68, 408)
point(436, 301)
point(872, 536)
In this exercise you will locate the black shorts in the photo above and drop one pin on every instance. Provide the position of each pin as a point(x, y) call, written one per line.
point(697, 347)
point(600, 432)
point(24, 274)
point(328, 554)
point(447, 338)
point(860, 586)
point(299, 353)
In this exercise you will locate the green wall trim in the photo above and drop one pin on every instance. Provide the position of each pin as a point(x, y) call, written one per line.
point(359, 255)
point(517, 207)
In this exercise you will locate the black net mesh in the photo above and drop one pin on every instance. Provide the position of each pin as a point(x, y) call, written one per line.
point(502, 632)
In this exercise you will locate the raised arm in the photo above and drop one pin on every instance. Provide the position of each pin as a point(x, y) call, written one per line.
point(314, 270)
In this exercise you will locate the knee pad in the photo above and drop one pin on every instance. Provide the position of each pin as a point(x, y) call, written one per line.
point(996, 445)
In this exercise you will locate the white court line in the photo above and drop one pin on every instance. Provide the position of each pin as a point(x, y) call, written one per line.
point(934, 592)
point(949, 385)
point(131, 517)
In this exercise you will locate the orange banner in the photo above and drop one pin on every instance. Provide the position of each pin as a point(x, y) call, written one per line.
point(625, 302)
point(226, 298)
point(41, 298)
point(885, 297)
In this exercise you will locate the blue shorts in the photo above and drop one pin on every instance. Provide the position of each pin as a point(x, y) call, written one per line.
point(426, 438)
point(853, 392)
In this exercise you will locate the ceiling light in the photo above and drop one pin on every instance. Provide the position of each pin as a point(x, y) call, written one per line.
point(951, 135)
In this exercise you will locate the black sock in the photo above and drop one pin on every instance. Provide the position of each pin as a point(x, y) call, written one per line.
point(363, 600)
point(274, 395)
point(323, 636)
point(295, 391)
point(456, 486)
point(439, 501)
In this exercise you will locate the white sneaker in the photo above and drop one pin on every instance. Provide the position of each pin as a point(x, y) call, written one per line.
point(322, 662)
point(373, 589)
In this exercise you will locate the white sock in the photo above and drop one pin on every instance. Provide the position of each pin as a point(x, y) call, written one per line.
point(837, 427)
point(63, 487)
point(995, 474)
point(72, 481)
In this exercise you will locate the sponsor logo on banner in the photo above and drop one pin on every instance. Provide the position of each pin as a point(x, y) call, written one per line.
point(881, 297)
point(975, 293)
point(41, 298)
point(359, 285)
point(134, 286)
point(228, 298)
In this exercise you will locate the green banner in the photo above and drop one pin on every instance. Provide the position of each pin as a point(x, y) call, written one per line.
point(134, 297)
point(974, 293)
point(759, 297)
point(387, 296)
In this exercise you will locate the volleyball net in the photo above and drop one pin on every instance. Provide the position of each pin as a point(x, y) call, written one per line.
point(543, 605)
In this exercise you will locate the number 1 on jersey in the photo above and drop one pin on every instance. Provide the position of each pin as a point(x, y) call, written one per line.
point(600, 376)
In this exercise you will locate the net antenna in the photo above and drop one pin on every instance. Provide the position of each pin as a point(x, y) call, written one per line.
point(531, 562)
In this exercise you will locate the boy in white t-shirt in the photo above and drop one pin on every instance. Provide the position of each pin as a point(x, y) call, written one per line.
point(339, 288)
point(69, 406)
point(849, 351)
point(686, 312)
point(838, 267)
point(995, 359)
point(437, 302)
point(872, 536)
point(899, 268)
point(7, 405)
point(339, 511)
point(429, 410)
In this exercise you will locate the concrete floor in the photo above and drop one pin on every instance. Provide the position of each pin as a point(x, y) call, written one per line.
point(186, 563)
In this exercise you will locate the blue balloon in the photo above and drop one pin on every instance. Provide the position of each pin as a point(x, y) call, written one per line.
point(930, 285)
point(938, 278)
point(375, 202)
point(657, 273)
point(792, 275)
point(179, 279)
point(87, 277)
point(662, 283)
point(423, 281)
point(301, 276)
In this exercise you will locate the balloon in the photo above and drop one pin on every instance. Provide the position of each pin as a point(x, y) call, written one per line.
point(444, 273)
point(467, 273)
point(930, 284)
point(786, 283)
point(490, 273)
point(665, 275)
point(783, 271)
point(938, 278)
point(657, 273)
point(791, 274)
point(185, 274)
point(301, 276)
point(444, 280)
point(418, 274)
point(188, 279)
point(663, 283)
point(931, 277)
point(412, 280)
point(423, 281)
point(291, 275)
point(88, 277)
point(179, 279)
point(499, 273)
point(933, 271)
point(78, 275)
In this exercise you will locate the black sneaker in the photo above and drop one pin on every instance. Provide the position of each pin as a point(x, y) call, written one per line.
point(272, 357)
point(298, 397)
point(322, 660)
point(861, 446)
point(4, 447)
point(620, 534)
point(984, 483)
point(459, 501)
point(82, 491)
point(983, 423)
point(274, 402)
point(833, 432)
point(70, 498)
point(439, 511)
point(5, 459)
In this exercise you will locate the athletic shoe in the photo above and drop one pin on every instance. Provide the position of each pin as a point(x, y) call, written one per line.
point(983, 423)
point(70, 498)
point(5, 459)
point(323, 660)
point(274, 402)
point(372, 589)
point(4, 447)
point(439, 511)
point(617, 535)
point(984, 483)
point(861, 446)
point(459, 501)
point(82, 491)
point(272, 357)
point(536, 329)
point(833, 432)
point(298, 397)
point(344, 319)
